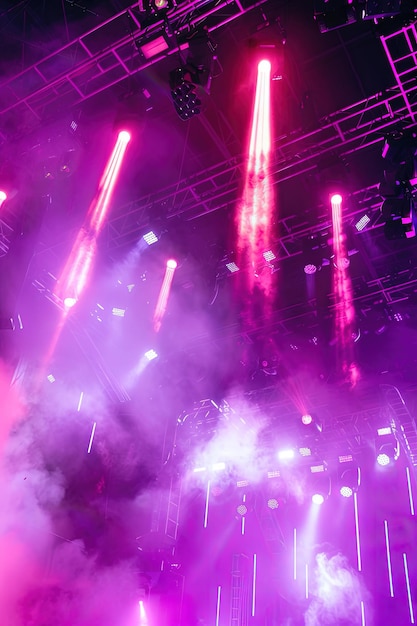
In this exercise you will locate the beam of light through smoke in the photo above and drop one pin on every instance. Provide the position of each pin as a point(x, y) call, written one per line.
point(254, 570)
point(295, 555)
point(342, 290)
point(337, 593)
point(219, 593)
point(410, 491)
point(363, 621)
point(306, 588)
point(407, 582)
point(388, 550)
point(162, 302)
point(256, 208)
point(143, 618)
point(77, 269)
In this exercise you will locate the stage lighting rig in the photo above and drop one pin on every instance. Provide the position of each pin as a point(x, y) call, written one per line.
point(332, 14)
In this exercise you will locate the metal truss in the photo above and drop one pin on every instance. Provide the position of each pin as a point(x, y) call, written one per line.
point(347, 131)
point(404, 423)
point(103, 57)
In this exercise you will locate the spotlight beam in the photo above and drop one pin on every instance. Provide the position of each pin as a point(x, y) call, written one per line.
point(162, 302)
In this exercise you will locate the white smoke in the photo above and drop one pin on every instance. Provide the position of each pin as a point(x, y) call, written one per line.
point(337, 591)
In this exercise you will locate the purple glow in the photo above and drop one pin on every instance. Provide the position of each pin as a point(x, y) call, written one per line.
point(206, 511)
point(219, 593)
point(358, 543)
point(254, 585)
point(295, 554)
point(407, 581)
point(93, 430)
point(387, 546)
point(410, 491)
point(143, 619)
point(3, 197)
point(317, 498)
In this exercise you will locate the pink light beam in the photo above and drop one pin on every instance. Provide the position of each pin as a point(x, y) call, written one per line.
point(3, 197)
point(162, 302)
point(342, 289)
point(256, 208)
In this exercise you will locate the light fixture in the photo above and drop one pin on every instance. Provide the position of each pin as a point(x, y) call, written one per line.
point(388, 453)
point(183, 93)
point(362, 222)
point(150, 238)
point(151, 355)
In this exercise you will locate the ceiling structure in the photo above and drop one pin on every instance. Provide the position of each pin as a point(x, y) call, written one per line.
point(74, 72)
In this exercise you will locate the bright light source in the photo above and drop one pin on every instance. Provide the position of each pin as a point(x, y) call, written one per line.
point(336, 198)
point(118, 312)
point(151, 355)
point(242, 509)
point(150, 238)
point(124, 136)
point(70, 302)
point(164, 292)
point(232, 267)
point(269, 256)
point(305, 451)
point(242, 483)
point(345, 458)
point(3, 196)
point(285, 455)
point(317, 498)
point(386, 430)
point(383, 459)
point(264, 66)
point(362, 222)
point(310, 268)
point(172, 264)
point(219, 466)
point(306, 419)
point(346, 492)
point(317, 469)
point(273, 503)
point(51, 378)
point(198, 470)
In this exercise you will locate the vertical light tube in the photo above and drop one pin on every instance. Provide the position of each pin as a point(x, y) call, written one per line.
point(207, 505)
point(242, 525)
point(306, 581)
point(363, 623)
point(391, 584)
point(358, 541)
point(93, 430)
point(80, 401)
point(410, 491)
point(254, 585)
point(407, 582)
point(295, 554)
point(219, 593)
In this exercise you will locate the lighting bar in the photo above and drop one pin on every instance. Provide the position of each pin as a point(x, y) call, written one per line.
point(358, 542)
point(242, 483)
point(150, 238)
point(93, 430)
point(388, 550)
point(345, 458)
point(304, 451)
point(274, 474)
point(243, 516)
point(410, 491)
point(317, 469)
point(151, 354)
point(219, 593)
point(254, 585)
point(80, 401)
point(386, 430)
point(232, 267)
point(363, 623)
point(295, 554)
point(362, 222)
point(19, 319)
point(269, 256)
point(407, 581)
point(51, 378)
point(207, 505)
point(118, 312)
point(197, 470)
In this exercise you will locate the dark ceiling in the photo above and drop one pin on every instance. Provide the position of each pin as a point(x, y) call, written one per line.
point(334, 101)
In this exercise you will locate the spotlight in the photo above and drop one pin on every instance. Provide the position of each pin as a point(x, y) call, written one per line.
point(336, 198)
point(151, 355)
point(172, 264)
point(183, 93)
point(317, 498)
point(285, 455)
point(3, 197)
point(362, 222)
point(310, 268)
point(349, 480)
point(70, 302)
point(306, 419)
point(232, 267)
point(242, 509)
point(273, 503)
point(346, 492)
point(388, 453)
point(382, 459)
